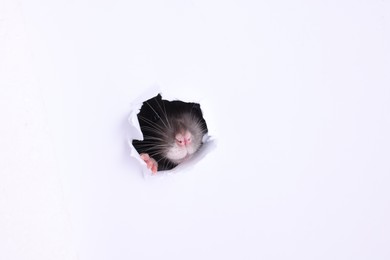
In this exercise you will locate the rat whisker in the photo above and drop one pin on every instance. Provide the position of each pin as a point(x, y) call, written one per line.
point(155, 112)
point(155, 133)
point(150, 122)
point(164, 111)
point(152, 139)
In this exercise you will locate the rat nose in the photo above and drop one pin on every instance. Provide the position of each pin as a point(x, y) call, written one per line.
point(183, 139)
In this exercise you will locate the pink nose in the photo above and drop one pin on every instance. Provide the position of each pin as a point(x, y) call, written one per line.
point(183, 139)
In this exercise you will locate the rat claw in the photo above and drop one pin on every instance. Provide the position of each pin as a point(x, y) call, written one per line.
point(151, 163)
point(144, 156)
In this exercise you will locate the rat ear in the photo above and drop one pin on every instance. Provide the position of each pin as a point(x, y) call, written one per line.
point(158, 97)
point(196, 106)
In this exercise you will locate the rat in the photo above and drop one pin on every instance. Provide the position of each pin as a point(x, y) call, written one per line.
point(173, 131)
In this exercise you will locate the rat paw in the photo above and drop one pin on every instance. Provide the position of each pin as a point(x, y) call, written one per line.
point(150, 162)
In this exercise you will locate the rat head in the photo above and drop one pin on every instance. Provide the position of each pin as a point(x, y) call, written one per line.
point(173, 130)
point(187, 128)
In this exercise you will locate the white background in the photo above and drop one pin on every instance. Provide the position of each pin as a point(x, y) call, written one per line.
point(296, 92)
